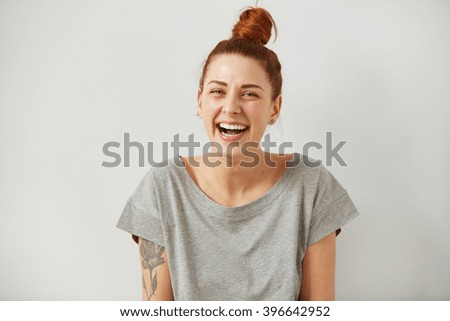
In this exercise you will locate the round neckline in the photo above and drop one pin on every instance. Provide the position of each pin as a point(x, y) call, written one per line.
point(266, 199)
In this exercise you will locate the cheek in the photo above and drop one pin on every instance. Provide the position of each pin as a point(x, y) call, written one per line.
point(208, 116)
point(209, 112)
point(258, 115)
point(209, 106)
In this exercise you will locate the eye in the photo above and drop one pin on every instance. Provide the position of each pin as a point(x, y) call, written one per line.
point(249, 94)
point(217, 92)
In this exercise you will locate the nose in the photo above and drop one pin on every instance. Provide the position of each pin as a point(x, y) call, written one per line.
point(231, 105)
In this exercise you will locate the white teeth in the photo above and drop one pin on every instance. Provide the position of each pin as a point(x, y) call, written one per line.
point(233, 127)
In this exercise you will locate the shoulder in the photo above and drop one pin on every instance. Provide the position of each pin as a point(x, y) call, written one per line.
point(319, 184)
point(309, 169)
point(313, 177)
point(164, 169)
point(158, 176)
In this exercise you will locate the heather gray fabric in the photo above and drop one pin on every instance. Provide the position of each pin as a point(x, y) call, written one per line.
point(248, 252)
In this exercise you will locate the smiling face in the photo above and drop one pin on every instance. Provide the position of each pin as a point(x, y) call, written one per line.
point(236, 102)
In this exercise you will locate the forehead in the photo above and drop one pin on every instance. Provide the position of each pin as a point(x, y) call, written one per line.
point(236, 68)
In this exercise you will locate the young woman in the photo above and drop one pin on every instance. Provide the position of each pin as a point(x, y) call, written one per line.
point(238, 223)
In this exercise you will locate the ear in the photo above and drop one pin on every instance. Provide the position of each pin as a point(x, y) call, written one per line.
point(276, 108)
point(199, 102)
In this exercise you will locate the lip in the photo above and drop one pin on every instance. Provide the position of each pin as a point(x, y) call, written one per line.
point(234, 137)
point(231, 123)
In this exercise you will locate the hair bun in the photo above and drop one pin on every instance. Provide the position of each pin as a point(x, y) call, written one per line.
point(255, 24)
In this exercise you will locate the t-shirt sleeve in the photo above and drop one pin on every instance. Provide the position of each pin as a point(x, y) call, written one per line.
point(141, 216)
point(332, 208)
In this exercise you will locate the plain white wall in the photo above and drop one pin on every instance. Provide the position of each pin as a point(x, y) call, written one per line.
point(77, 74)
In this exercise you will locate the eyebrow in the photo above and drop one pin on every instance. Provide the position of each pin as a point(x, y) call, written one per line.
point(245, 86)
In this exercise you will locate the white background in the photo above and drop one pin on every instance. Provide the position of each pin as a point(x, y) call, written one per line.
point(77, 74)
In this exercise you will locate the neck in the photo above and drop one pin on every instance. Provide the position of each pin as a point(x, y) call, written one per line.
point(236, 173)
point(237, 183)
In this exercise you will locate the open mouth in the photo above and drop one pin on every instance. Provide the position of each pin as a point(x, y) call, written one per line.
point(231, 130)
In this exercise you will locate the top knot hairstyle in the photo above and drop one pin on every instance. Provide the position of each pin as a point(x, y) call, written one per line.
point(254, 24)
point(249, 37)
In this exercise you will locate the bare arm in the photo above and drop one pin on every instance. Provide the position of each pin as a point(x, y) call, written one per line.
point(318, 270)
point(156, 284)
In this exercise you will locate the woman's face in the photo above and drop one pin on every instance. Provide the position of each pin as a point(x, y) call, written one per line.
point(236, 100)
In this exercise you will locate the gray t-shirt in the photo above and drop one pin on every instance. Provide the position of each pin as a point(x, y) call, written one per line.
point(248, 252)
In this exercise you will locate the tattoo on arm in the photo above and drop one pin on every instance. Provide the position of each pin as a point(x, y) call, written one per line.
point(151, 257)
